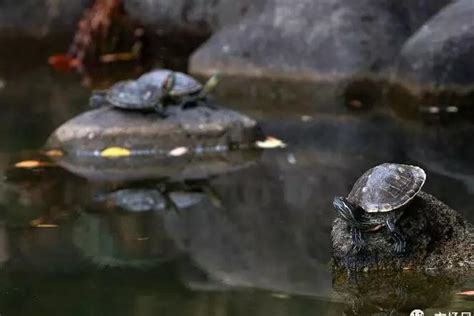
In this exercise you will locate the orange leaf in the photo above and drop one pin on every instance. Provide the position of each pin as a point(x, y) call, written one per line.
point(469, 293)
point(29, 164)
point(54, 153)
point(62, 62)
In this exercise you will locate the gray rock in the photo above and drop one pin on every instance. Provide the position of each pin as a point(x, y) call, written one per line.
point(142, 133)
point(40, 17)
point(306, 40)
point(437, 235)
point(199, 17)
point(440, 52)
point(206, 133)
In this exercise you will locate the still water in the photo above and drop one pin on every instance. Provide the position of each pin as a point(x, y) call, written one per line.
point(251, 239)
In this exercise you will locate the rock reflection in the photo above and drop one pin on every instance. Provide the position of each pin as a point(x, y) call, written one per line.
point(385, 293)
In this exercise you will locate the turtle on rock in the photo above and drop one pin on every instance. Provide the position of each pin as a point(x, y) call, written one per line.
point(135, 95)
point(378, 199)
point(186, 90)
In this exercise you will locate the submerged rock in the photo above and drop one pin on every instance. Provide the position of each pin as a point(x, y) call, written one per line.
point(438, 238)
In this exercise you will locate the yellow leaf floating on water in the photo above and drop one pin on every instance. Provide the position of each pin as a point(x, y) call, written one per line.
point(115, 152)
point(270, 142)
point(178, 151)
point(280, 295)
point(469, 293)
point(30, 164)
point(54, 153)
point(39, 223)
point(46, 226)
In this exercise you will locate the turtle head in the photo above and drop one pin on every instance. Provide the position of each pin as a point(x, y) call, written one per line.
point(168, 83)
point(211, 84)
point(98, 98)
point(347, 211)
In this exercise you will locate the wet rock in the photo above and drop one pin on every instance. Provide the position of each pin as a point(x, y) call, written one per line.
point(40, 17)
point(209, 136)
point(198, 128)
point(440, 52)
point(439, 239)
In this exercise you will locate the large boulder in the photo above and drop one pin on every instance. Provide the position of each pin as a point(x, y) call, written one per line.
point(437, 235)
point(440, 52)
point(198, 17)
point(433, 78)
point(319, 56)
point(306, 39)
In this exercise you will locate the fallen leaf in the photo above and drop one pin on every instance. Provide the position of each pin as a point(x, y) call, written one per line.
point(29, 164)
point(280, 295)
point(468, 293)
point(40, 223)
point(270, 142)
point(115, 152)
point(178, 151)
point(63, 62)
point(45, 226)
point(54, 153)
point(125, 56)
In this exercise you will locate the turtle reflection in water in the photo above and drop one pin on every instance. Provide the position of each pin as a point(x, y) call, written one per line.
point(378, 200)
point(159, 197)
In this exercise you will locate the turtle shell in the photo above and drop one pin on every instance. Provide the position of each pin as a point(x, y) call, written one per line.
point(130, 94)
point(183, 85)
point(387, 187)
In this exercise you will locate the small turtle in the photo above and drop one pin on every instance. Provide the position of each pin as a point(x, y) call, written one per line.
point(186, 89)
point(134, 95)
point(377, 200)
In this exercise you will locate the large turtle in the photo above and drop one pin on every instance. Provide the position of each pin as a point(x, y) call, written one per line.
point(135, 95)
point(186, 90)
point(378, 199)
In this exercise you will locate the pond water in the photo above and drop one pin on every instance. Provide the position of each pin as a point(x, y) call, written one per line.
point(252, 240)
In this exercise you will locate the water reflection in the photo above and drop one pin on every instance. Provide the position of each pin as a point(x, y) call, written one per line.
point(244, 233)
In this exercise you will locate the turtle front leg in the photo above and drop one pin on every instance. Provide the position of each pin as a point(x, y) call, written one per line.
point(357, 241)
point(398, 237)
point(160, 110)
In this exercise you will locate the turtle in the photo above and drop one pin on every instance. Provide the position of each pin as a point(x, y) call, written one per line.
point(186, 90)
point(378, 199)
point(135, 95)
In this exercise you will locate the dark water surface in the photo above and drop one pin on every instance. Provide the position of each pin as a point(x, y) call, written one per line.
point(254, 240)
